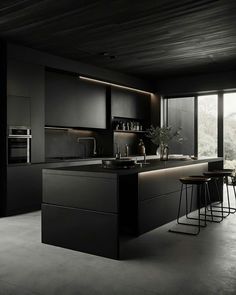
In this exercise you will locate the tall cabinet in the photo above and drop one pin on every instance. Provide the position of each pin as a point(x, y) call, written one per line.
point(25, 102)
point(25, 107)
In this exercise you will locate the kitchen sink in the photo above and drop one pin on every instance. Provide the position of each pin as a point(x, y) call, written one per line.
point(123, 163)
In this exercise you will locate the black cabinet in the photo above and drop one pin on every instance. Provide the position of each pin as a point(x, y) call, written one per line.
point(71, 102)
point(25, 91)
point(24, 186)
point(80, 211)
point(130, 104)
point(24, 189)
point(18, 111)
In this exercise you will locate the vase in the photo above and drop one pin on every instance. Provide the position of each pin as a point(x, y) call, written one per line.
point(163, 150)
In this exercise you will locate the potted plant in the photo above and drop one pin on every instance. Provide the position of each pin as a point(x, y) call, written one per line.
point(161, 136)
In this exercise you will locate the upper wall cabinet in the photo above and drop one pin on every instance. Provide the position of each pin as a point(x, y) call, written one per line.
point(71, 102)
point(129, 104)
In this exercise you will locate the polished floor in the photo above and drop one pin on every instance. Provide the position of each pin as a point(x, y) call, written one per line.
point(158, 262)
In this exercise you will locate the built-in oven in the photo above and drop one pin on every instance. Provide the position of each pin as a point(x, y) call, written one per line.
point(19, 144)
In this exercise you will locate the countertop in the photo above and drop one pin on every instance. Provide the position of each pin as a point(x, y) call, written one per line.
point(152, 165)
point(64, 161)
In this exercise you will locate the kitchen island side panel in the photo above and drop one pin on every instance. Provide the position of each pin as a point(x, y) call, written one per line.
point(80, 212)
point(81, 230)
point(159, 195)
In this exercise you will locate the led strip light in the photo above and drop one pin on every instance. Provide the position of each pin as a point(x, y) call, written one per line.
point(115, 85)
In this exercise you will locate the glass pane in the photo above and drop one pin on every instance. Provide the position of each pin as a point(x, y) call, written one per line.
point(230, 130)
point(207, 125)
point(180, 114)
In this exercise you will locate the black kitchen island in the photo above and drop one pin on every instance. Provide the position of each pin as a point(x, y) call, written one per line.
point(87, 208)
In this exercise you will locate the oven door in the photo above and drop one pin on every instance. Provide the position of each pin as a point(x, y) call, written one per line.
point(18, 149)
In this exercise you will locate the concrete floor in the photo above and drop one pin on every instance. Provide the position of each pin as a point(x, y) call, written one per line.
point(158, 262)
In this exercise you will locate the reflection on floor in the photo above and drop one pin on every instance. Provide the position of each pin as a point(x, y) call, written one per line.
point(159, 262)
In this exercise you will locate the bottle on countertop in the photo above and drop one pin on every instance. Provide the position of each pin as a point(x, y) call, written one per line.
point(141, 147)
point(126, 150)
point(118, 153)
point(123, 126)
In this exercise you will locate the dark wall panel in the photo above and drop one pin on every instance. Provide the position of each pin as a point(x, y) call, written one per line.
point(3, 126)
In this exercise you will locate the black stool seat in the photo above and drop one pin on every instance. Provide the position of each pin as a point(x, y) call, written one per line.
point(194, 180)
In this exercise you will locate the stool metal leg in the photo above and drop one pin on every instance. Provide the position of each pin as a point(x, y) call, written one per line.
point(180, 199)
point(188, 224)
point(191, 201)
point(230, 210)
point(220, 203)
point(208, 201)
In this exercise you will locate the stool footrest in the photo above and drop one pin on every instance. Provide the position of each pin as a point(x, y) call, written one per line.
point(216, 216)
point(190, 224)
point(230, 208)
point(184, 233)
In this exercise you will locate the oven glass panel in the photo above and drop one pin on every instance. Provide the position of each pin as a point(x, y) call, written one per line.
point(18, 150)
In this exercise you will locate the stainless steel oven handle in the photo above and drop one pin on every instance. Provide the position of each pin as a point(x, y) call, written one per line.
point(28, 160)
point(19, 136)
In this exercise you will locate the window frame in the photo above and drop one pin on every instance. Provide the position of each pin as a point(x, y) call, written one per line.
point(220, 116)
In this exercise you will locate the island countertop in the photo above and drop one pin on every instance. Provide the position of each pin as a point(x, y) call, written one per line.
point(139, 168)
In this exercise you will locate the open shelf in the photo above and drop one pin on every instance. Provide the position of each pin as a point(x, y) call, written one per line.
point(130, 131)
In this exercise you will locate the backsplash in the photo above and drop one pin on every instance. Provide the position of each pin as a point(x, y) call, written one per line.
point(63, 143)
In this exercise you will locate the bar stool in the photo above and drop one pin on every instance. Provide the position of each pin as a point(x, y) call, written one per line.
point(207, 202)
point(223, 174)
point(201, 183)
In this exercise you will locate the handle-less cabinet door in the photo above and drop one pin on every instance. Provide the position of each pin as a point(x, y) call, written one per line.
point(129, 104)
point(26, 91)
point(71, 102)
point(18, 111)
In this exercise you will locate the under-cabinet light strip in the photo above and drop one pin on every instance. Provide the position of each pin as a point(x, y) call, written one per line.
point(57, 128)
point(115, 85)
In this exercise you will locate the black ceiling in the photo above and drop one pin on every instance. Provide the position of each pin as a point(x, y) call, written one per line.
point(148, 38)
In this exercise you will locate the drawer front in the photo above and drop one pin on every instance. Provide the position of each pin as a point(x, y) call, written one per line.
point(91, 193)
point(81, 230)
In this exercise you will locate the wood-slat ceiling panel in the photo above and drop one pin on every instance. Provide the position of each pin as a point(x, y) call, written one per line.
point(144, 38)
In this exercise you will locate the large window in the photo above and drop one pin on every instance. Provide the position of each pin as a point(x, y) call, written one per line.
point(207, 125)
point(230, 130)
point(180, 114)
point(197, 116)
